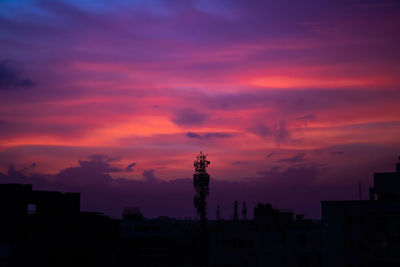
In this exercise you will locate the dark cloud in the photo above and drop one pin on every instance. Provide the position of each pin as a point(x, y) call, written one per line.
point(193, 135)
point(99, 165)
point(309, 117)
point(150, 177)
point(261, 130)
point(209, 135)
point(297, 174)
point(29, 168)
point(11, 128)
point(101, 157)
point(337, 152)
point(189, 116)
point(240, 162)
point(92, 172)
point(299, 157)
point(13, 172)
point(218, 135)
point(300, 101)
point(279, 132)
point(88, 174)
point(130, 166)
point(11, 76)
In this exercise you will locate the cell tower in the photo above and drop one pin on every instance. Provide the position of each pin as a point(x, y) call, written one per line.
point(201, 180)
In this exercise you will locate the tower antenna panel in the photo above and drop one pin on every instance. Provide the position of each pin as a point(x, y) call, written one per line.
point(201, 180)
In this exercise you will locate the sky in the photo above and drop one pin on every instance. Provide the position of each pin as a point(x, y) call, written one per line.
point(293, 101)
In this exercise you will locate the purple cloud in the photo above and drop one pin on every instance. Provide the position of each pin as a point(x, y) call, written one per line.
point(11, 76)
point(299, 157)
point(150, 177)
point(189, 116)
point(193, 135)
point(209, 135)
point(309, 117)
point(279, 132)
point(129, 168)
point(261, 130)
point(294, 102)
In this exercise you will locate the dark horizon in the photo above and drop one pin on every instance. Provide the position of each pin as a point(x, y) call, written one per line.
point(155, 197)
point(49, 228)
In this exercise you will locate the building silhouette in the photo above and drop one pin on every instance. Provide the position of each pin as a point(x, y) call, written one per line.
point(47, 228)
point(272, 238)
point(364, 232)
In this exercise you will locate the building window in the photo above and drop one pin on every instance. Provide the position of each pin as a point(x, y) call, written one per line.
point(380, 223)
point(303, 239)
point(31, 209)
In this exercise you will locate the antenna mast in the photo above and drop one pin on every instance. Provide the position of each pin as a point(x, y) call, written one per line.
point(201, 181)
point(235, 211)
point(244, 211)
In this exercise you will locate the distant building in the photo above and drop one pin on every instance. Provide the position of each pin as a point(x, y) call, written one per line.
point(18, 200)
point(364, 232)
point(273, 238)
point(161, 241)
point(46, 228)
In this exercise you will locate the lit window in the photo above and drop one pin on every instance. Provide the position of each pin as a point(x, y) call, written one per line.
point(31, 208)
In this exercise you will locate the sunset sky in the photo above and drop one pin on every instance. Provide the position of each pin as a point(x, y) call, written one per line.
point(300, 95)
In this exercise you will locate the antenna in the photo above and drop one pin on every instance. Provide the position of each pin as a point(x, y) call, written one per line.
point(218, 213)
point(201, 181)
point(235, 211)
point(244, 211)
